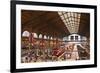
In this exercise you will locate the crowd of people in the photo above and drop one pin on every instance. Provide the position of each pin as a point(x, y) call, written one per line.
point(61, 52)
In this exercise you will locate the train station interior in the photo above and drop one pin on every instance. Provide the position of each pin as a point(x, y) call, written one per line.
point(49, 36)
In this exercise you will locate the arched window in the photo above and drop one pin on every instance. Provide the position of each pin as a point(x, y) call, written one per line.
point(76, 38)
point(25, 34)
point(35, 35)
point(72, 37)
point(40, 36)
point(45, 37)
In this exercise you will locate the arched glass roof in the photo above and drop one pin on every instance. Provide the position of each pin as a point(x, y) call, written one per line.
point(71, 20)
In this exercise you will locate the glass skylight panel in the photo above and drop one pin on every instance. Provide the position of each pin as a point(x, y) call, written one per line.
point(75, 20)
point(75, 23)
point(72, 14)
point(64, 21)
point(65, 15)
point(60, 13)
point(71, 20)
point(68, 14)
point(62, 17)
point(75, 15)
point(78, 20)
point(67, 20)
point(72, 24)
